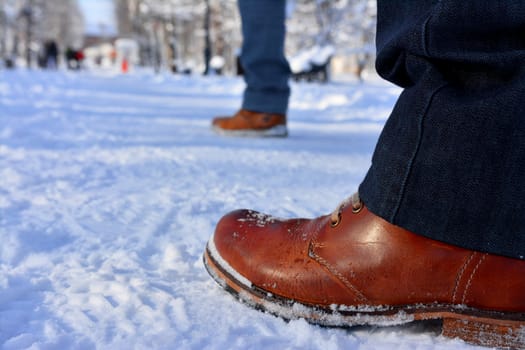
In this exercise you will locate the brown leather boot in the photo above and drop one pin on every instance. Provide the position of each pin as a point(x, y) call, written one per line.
point(354, 268)
point(248, 123)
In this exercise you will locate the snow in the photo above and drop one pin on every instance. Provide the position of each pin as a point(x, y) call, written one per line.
point(112, 184)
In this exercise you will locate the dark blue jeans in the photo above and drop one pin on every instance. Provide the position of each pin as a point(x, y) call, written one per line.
point(450, 162)
point(266, 70)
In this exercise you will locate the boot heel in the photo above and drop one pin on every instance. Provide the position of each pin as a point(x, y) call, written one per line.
point(487, 332)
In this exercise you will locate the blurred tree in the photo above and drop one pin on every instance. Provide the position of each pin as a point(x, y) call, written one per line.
point(3, 29)
point(6, 30)
point(346, 25)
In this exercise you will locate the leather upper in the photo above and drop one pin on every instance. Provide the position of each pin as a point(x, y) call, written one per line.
point(364, 261)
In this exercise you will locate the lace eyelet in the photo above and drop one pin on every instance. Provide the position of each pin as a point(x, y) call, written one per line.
point(358, 208)
point(335, 223)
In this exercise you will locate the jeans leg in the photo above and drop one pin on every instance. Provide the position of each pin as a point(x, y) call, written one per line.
point(450, 162)
point(266, 70)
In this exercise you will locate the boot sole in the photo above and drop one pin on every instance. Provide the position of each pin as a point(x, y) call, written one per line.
point(478, 327)
point(276, 131)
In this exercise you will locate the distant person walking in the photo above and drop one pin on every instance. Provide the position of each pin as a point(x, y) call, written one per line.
point(51, 54)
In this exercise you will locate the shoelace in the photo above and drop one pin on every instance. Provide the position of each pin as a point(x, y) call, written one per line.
point(356, 203)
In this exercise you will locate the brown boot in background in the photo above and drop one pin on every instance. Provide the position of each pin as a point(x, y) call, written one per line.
point(248, 123)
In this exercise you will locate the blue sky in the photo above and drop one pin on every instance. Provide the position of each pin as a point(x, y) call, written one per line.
point(99, 16)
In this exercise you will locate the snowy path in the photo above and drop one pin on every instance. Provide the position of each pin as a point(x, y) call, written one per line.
point(111, 185)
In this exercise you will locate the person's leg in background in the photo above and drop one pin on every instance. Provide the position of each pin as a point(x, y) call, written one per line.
point(266, 72)
point(439, 230)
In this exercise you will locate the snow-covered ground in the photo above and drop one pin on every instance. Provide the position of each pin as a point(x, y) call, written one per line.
point(111, 185)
